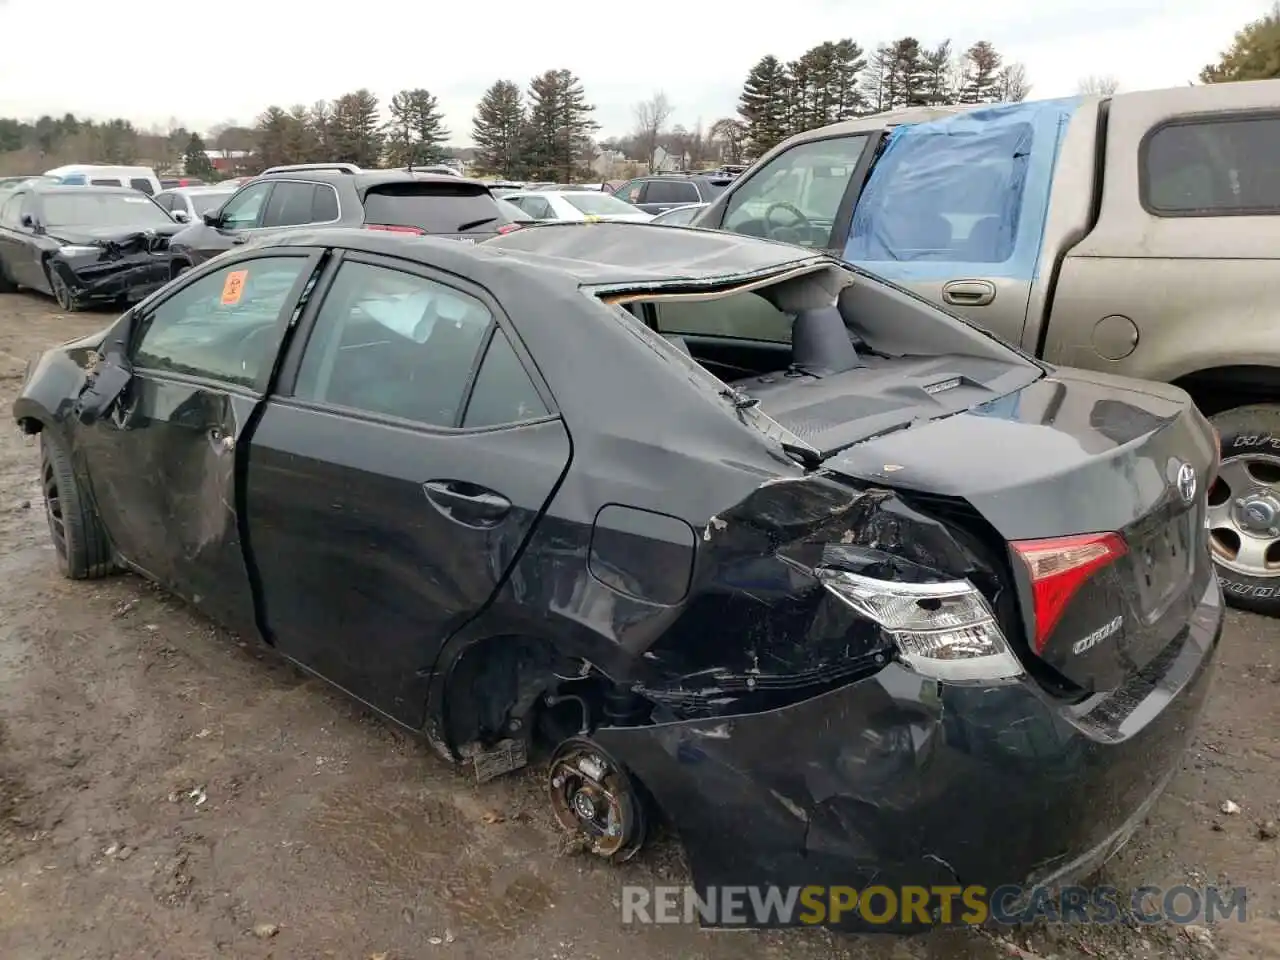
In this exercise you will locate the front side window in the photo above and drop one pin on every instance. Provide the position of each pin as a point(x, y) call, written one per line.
point(738, 316)
point(798, 194)
point(203, 203)
point(11, 211)
point(944, 195)
point(166, 200)
point(244, 210)
point(1212, 167)
point(393, 344)
point(221, 326)
point(630, 192)
point(142, 185)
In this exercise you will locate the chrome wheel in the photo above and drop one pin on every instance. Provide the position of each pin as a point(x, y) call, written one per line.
point(1244, 515)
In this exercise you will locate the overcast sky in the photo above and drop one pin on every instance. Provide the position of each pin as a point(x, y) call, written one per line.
point(205, 66)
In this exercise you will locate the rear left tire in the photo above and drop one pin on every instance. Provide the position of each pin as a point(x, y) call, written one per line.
point(79, 539)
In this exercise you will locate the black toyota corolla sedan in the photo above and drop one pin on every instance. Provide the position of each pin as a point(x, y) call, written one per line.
point(844, 587)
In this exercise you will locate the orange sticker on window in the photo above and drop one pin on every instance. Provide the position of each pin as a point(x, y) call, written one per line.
point(233, 286)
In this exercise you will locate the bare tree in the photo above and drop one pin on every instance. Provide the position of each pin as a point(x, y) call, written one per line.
point(1013, 84)
point(1103, 85)
point(651, 116)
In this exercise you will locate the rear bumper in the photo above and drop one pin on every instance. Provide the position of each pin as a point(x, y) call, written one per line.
point(899, 781)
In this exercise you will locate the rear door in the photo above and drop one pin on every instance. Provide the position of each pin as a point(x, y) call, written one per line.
point(954, 209)
point(396, 475)
point(165, 464)
point(460, 211)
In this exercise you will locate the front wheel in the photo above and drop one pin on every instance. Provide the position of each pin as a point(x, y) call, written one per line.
point(62, 293)
point(1244, 508)
point(84, 553)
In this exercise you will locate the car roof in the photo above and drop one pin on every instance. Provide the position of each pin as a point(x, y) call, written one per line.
point(583, 254)
point(367, 179)
point(53, 189)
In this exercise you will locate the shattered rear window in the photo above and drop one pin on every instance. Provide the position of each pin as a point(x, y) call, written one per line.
point(739, 316)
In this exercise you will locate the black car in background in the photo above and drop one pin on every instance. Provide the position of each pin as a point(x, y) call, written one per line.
point(856, 592)
point(424, 204)
point(659, 193)
point(84, 245)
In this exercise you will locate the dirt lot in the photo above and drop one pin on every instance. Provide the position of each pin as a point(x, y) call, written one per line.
point(165, 789)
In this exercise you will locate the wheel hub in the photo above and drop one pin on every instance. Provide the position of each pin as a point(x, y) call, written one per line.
point(593, 798)
point(1257, 514)
point(584, 806)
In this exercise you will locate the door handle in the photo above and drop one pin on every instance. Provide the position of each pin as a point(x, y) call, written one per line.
point(467, 503)
point(969, 293)
point(240, 239)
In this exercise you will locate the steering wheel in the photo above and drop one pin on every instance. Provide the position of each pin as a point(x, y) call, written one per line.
point(799, 229)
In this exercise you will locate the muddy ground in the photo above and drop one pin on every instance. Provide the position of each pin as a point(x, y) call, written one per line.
point(165, 789)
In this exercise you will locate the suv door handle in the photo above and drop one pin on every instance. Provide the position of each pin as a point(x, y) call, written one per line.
point(241, 238)
point(969, 293)
point(467, 503)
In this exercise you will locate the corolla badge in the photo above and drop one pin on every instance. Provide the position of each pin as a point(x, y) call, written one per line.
point(1092, 640)
point(1186, 482)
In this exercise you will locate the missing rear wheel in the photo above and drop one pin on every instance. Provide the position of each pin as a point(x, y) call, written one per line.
point(595, 799)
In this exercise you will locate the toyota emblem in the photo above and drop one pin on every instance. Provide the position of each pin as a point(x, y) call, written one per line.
point(1186, 482)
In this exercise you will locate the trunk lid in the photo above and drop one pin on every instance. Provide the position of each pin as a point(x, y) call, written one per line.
point(1076, 454)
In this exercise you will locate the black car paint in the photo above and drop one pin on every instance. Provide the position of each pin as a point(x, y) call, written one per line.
point(198, 242)
point(707, 186)
point(113, 264)
point(666, 546)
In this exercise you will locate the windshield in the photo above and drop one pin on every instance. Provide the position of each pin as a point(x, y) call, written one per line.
point(90, 209)
point(600, 204)
point(202, 203)
point(680, 216)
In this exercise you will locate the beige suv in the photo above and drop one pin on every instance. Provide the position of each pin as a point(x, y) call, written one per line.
point(1137, 234)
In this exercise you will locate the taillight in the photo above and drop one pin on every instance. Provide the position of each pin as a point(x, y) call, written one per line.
point(508, 228)
point(1059, 568)
point(393, 228)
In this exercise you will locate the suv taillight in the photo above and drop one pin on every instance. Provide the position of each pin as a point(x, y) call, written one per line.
point(392, 228)
point(1059, 567)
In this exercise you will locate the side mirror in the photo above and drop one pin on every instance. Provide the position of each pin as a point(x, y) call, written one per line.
point(211, 218)
point(28, 221)
point(182, 216)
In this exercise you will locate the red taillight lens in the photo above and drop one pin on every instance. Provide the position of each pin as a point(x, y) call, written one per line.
point(1059, 568)
point(392, 228)
point(508, 227)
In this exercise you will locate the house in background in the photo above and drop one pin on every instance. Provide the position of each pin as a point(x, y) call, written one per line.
point(227, 162)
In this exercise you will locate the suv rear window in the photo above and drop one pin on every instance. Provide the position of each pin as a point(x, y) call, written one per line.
point(671, 191)
point(433, 207)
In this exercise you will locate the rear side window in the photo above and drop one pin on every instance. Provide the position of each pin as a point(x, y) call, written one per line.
point(293, 203)
point(739, 316)
point(503, 392)
point(671, 191)
point(1202, 167)
point(138, 183)
point(434, 208)
point(945, 196)
point(105, 182)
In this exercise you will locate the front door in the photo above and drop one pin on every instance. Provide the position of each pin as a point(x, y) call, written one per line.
point(395, 478)
point(164, 460)
point(238, 220)
point(804, 195)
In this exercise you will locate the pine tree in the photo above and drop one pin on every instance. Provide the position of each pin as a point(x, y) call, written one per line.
point(909, 73)
point(270, 135)
point(937, 75)
point(357, 134)
point(1254, 54)
point(763, 105)
point(300, 139)
point(799, 88)
point(559, 125)
point(416, 133)
point(195, 162)
point(878, 80)
point(497, 129)
point(847, 99)
point(981, 74)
